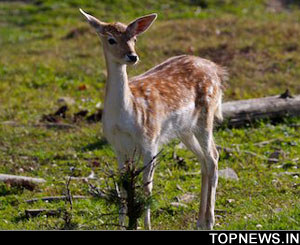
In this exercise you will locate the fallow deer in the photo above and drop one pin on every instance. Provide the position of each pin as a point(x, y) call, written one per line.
point(178, 98)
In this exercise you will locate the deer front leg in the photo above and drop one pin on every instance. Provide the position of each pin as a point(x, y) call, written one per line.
point(121, 158)
point(149, 163)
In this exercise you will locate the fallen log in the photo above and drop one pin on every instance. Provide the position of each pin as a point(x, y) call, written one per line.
point(241, 112)
point(26, 182)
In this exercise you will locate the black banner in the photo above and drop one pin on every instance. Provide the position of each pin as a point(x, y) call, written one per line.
point(154, 237)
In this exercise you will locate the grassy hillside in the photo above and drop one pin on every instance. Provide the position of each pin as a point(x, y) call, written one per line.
point(49, 56)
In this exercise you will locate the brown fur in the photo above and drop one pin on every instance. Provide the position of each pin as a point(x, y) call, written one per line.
point(162, 88)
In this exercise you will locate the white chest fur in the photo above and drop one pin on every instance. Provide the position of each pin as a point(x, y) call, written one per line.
point(120, 133)
point(118, 122)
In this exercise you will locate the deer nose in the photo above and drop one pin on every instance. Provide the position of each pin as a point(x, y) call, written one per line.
point(132, 57)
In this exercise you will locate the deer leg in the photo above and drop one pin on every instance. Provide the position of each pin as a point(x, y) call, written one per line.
point(149, 163)
point(121, 158)
point(191, 142)
point(209, 179)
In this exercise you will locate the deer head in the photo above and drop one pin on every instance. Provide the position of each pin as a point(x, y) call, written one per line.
point(118, 39)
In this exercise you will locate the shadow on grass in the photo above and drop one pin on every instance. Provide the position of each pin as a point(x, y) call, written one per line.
point(98, 145)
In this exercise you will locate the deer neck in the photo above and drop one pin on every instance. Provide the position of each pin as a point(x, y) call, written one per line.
point(118, 94)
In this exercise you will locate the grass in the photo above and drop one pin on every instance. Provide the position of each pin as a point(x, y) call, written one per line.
point(48, 52)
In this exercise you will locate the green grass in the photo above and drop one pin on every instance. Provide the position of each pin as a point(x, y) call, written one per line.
point(39, 65)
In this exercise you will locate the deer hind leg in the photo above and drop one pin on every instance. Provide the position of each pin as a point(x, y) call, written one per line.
point(191, 142)
point(209, 176)
point(149, 163)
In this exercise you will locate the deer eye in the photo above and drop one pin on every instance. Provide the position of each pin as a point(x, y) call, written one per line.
point(112, 41)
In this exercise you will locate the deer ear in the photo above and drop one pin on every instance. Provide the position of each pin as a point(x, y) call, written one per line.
point(141, 24)
point(94, 22)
